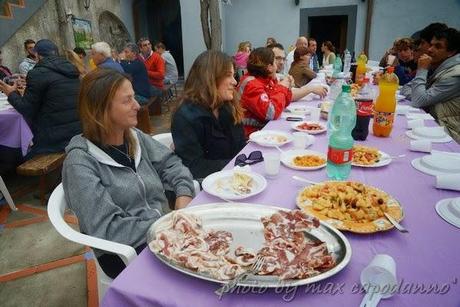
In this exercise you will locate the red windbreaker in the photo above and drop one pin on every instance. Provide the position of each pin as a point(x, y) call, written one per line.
point(263, 100)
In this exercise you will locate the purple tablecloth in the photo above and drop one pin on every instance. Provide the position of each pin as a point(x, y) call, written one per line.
point(429, 256)
point(14, 131)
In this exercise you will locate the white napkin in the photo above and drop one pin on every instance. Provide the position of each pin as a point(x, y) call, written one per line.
point(448, 182)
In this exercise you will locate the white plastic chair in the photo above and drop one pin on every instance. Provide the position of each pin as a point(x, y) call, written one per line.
point(56, 208)
point(167, 140)
point(7, 195)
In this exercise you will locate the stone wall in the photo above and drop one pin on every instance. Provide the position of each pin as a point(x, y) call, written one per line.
point(45, 23)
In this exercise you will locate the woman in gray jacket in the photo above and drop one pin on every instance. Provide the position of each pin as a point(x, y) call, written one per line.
point(114, 175)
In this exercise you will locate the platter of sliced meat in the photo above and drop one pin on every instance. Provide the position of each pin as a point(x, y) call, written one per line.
point(219, 241)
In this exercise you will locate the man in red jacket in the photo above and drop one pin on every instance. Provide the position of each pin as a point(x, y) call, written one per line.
point(155, 66)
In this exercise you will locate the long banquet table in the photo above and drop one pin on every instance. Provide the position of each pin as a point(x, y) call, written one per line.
point(428, 256)
point(14, 131)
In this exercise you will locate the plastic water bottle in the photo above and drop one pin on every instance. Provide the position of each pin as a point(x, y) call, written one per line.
point(347, 62)
point(342, 120)
point(336, 87)
point(337, 66)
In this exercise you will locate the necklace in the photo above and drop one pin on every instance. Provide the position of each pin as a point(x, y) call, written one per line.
point(126, 147)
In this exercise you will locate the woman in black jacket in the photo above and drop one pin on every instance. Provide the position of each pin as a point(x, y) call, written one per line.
point(206, 128)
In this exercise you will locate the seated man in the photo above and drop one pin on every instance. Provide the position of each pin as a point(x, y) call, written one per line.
point(30, 60)
point(302, 41)
point(312, 46)
point(297, 93)
point(49, 103)
point(423, 43)
point(136, 69)
point(155, 66)
point(436, 86)
point(101, 54)
point(171, 74)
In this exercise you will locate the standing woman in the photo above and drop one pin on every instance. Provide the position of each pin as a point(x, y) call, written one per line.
point(300, 68)
point(114, 175)
point(328, 53)
point(241, 58)
point(206, 127)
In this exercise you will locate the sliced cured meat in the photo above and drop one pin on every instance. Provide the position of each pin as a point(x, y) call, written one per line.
point(245, 256)
point(219, 241)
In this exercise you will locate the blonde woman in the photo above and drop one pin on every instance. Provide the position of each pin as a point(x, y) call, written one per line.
point(76, 60)
point(114, 175)
point(207, 128)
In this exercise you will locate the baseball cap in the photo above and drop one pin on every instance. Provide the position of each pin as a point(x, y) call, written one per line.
point(45, 47)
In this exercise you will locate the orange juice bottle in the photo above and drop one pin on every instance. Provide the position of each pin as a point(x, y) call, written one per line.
point(385, 105)
point(361, 68)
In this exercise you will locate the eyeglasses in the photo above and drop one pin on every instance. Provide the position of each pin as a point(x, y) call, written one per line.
point(280, 58)
point(254, 157)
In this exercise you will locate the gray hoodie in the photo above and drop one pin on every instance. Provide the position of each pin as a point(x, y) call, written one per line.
point(422, 95)
point(112, 201)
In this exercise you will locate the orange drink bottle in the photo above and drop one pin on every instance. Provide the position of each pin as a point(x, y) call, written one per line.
point(385, 105)
point(361, 68)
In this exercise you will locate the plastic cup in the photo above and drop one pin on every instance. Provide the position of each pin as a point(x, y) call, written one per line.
point(414, 123)
point(314, 114)
point(448, 182)
point(272, 163)
point(300, 140)
point(420, 145)
point(379, 277)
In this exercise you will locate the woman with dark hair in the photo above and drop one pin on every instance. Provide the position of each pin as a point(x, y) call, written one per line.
point(328, 53)
point(300, 69)
point(206, 127)
point(262, 96)
point(114, 175)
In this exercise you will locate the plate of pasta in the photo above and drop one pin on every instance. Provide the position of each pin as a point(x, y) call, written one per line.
point(350, 206)
point(305, 160)
point(365, 156)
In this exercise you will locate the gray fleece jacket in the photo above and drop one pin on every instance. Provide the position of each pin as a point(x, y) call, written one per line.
point(423, 95)
point(112, 201)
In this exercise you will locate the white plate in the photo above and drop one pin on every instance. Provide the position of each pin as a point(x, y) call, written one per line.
point(270, 138)
point(385, 159)
point(402, 109)
point(295, 125)
point(424, 116)
point(430, 132)
point(424, 168)
point(298, 110)
point(400, 97)
point(445, 139)
point(288, 156)
point(449, 210)
point(441, 163)
point(218, 184)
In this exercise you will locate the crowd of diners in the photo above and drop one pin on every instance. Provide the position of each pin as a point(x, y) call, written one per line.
point(119, 180)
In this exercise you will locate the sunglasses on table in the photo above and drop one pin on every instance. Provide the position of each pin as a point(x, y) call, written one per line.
point(253, 158)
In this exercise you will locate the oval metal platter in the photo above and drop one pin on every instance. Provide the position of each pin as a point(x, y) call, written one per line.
point(243, 221)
